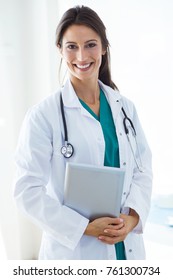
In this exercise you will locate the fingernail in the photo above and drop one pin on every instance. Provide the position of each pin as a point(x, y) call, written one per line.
point(105, 231)
point(121, 220)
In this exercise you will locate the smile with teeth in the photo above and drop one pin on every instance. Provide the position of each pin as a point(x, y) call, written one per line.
point(83, 66)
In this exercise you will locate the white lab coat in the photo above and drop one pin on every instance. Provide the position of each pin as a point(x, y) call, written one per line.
point(39, 182)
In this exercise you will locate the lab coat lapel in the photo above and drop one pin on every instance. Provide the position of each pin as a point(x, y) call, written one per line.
point(70, 99)
point(114, 99)
point(69, 96)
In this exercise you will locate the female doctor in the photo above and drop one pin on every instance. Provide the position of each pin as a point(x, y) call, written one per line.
point(86, 121)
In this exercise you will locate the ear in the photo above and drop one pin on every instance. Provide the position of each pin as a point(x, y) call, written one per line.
point(60, 50)
point(103, 52)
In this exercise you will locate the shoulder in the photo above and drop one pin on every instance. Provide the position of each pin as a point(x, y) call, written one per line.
point(127, 104)
point(47, 106)
point(45, 113)
point(116, 95)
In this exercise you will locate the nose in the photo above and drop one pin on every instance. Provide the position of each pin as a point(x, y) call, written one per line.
point(81, 54)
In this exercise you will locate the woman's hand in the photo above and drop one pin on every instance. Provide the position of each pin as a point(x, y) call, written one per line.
point(114, 235)
point(97, 227)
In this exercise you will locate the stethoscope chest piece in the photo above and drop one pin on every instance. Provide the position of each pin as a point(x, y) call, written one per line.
point(67, 150)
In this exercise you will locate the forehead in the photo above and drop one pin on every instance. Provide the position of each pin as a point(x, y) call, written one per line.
point(80, 33)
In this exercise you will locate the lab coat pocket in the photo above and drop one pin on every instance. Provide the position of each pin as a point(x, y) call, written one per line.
point(57, 151)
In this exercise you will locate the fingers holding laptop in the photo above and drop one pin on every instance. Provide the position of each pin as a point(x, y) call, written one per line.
point(97, 227)
point(114, 235)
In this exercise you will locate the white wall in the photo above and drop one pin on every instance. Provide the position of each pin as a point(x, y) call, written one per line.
point(28, 70)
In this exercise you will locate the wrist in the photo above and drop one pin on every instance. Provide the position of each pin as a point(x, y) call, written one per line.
point(88, 230)
point(135, 217)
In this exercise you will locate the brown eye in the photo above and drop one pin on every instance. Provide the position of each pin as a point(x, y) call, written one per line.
point(71, 47)
point(91, 45)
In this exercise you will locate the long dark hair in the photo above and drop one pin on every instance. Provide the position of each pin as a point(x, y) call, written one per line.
point(83, 15)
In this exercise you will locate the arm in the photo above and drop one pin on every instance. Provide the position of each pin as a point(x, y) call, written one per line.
point(139, 196)
point(33, 159)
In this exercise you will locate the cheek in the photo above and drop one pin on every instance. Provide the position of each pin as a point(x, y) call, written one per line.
point(67, 56)
point(97, 55)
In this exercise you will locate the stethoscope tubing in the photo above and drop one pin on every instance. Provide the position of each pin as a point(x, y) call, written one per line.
point(67, 149)
point(64, 120)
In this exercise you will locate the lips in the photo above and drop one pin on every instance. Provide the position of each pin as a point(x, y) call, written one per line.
point(84, 66)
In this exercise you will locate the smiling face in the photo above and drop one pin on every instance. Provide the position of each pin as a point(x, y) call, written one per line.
point(82, 51)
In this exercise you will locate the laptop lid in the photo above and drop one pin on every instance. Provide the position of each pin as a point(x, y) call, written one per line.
point(94, 191)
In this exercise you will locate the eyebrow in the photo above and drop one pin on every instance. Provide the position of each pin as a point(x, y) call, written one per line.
point(92, 40)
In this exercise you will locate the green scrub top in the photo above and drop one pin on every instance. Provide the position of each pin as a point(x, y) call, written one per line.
point(111, 147)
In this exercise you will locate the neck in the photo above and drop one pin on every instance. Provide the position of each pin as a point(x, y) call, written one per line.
point(88, 91)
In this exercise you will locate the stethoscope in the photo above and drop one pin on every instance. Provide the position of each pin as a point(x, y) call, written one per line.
point(67, 149)
point(133, 130)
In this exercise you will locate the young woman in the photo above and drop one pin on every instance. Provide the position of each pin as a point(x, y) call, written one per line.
point(102, 125)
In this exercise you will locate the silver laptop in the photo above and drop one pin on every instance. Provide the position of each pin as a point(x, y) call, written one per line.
point(93, 191)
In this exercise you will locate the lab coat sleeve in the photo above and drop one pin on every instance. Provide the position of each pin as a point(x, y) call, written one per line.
point(141, 185)
point(33, 160)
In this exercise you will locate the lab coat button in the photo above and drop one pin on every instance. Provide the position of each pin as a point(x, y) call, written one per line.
point(124, 193)
point(124, 163)
point(130, 250)
point(121, 134)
